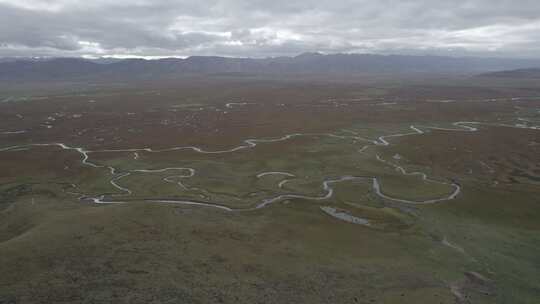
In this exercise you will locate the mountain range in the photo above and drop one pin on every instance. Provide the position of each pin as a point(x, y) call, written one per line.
point(307, 63)
point(532, 73)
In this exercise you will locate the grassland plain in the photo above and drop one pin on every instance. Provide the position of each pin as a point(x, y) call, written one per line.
point(218, 195)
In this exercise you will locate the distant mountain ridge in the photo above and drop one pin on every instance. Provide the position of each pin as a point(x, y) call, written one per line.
point(307, 63)
point(532, 73)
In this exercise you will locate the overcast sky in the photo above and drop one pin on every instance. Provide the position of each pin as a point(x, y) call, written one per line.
point(261, 28)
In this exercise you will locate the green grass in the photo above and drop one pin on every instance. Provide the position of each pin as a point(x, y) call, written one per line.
point(54, 248)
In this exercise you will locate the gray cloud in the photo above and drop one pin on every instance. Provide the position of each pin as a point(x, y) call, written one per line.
point(268, 28)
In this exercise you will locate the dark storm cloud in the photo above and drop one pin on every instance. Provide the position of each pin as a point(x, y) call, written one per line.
point(268, 28)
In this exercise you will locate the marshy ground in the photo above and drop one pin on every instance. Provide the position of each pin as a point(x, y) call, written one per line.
point(231, 191)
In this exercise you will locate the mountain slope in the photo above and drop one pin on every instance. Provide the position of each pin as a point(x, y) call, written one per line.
point(533, 73)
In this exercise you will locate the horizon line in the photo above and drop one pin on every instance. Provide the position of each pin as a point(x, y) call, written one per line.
point(152, 57)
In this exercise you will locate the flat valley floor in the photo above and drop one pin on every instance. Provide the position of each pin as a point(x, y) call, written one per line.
point(229, 190)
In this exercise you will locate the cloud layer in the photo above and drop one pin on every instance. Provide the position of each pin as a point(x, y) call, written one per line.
point(258, 28)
